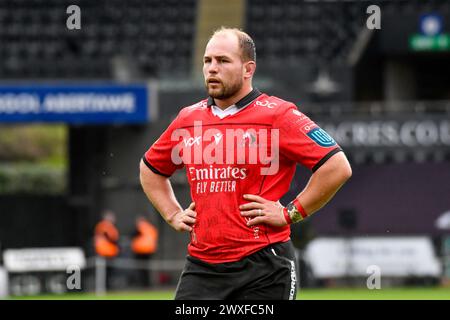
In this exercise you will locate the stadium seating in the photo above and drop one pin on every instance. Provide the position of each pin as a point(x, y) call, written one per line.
point(157, 36)
point(154, 35)
point(319, 31)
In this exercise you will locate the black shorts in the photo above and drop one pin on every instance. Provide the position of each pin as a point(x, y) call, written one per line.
point(269, 273)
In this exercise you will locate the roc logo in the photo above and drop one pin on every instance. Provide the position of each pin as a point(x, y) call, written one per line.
point(320, 137)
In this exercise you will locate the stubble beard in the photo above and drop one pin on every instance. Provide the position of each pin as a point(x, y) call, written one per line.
point(224, 91)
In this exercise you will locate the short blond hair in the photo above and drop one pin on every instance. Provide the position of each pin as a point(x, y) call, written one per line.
point(246, 43)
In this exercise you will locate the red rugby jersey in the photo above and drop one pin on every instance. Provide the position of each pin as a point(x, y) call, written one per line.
point(254, 151)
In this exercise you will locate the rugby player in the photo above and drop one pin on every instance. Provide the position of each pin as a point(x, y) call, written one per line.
point(240, 148)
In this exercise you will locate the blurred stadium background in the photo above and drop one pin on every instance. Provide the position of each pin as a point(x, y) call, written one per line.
point(79, 107)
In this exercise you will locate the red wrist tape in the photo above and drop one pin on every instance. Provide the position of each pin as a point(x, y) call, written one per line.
point(299, 208)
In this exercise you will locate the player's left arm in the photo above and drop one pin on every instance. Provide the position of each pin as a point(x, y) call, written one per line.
point(322, 186)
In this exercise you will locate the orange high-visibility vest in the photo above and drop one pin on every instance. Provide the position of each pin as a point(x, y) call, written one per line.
point(105, 248)
point(106, 237)
point(146, 242)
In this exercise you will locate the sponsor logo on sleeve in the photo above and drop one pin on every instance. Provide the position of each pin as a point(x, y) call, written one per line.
point(320, 137)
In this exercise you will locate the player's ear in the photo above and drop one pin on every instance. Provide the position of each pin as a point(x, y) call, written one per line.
point(249, 69)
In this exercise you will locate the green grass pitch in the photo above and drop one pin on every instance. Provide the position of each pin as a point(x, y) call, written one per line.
point(428, 293)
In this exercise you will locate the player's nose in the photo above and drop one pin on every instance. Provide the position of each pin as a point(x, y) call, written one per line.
point(213, 68)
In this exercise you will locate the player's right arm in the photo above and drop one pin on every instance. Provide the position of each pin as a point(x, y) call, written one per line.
point(156, 167)
point(160, 193)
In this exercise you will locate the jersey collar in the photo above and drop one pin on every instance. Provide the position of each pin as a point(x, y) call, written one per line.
point(255, 93)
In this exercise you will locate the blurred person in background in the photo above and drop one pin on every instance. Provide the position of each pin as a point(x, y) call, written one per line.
point(106, 236)
point(240, 244)
point(106, 242)
point(144, 245)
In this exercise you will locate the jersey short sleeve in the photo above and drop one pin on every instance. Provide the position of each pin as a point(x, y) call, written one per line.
point(159, 156)
point(302, 140)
